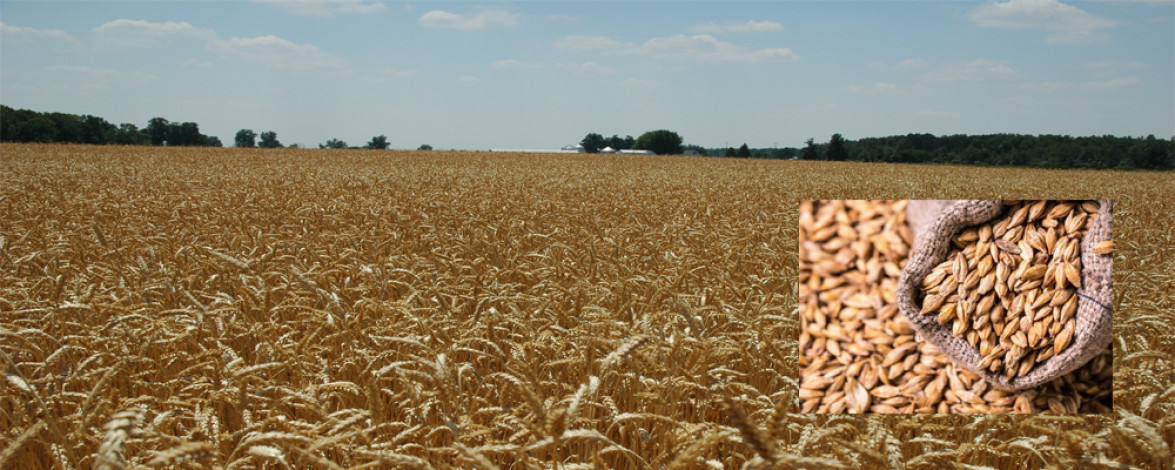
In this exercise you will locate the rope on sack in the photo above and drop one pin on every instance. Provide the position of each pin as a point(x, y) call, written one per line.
point(1091, 299)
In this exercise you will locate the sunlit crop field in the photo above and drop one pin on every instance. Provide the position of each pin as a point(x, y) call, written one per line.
point(223, 308)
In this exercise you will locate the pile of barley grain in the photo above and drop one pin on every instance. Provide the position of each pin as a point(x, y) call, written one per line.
point(859, 354)
point(1008, 286)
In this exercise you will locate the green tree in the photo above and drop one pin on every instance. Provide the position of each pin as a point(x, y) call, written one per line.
point(1157, 153)
point(744, 151)
point(810, 152)
point(269, 140)
point(661, 142)
point(730, 152)
point(246, 138)
point(620, 143)
point(157, 129)
point(379, 142)
point(593, 142)
point(185, 134)
point(333, 144)
point(8, 122)
point(836, 148)
point(96, 130)
point(425, 147)
point(38, 129)
point(69, 127)
point(129, 134)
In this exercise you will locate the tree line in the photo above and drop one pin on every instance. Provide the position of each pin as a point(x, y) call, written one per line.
point(660, 142)
point(1044, 151)
point(1040, 151)
point(23, 125)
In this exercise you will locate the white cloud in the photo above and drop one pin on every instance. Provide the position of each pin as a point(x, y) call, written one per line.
point(1043, 86)
point(910, 64)
point(903, 65)
point(488, 18)
point(194, 63)
point(1113, 64)
point(825, 107)
point(324, 7)
point(25, 33)
point(733, 27)
point(588, 69)
point(276, 52)
point(1066, 24)
point(515, 64)
point(879, 87)
point(705, 48)
point(397, 73)
point(102, 75)
point(977, 70)
point(469, 78)
point(145, 33)
point(591, 44)
point(1111, 84)
point(1146, 2)
point(700, 48)
point(638, 83)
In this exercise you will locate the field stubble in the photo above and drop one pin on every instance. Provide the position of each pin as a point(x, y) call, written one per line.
point(299, 309)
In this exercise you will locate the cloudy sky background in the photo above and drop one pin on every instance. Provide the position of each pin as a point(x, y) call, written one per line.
point(543, 74)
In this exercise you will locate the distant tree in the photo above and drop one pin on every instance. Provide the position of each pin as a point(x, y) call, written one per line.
point(269, 140)
point(810, 152)
point(157, 129)
point(129, 134)
point(836, 148)
point(333, 144)
point(744, 151)
point(661, 142)
point(787, 152)
point(294, 146)
point(696, 148)
point(620, 143)
point(730, 152)
point(1157, 153)
point(246, 138)
point(425, 147)
point(38, 129)
point(212, 141)
point(96, 130)
point(69, 127)
point(9, 120)
point(616, 142)
point(593, 142)
point(185, 134)
point(379, 142)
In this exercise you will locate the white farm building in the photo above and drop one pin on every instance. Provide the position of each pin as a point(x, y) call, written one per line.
point(627, 152)
point(576, 149)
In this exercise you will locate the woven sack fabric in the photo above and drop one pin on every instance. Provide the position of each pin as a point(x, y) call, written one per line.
point(935, 223)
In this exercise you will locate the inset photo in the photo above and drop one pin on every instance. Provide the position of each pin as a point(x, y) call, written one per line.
point(962, 306)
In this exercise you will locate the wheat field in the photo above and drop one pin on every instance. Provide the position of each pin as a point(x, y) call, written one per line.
point(279, 309)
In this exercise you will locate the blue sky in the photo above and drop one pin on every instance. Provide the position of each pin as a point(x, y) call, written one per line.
point(478, 75)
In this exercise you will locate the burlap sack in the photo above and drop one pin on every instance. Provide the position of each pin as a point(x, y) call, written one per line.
point(935, 223)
